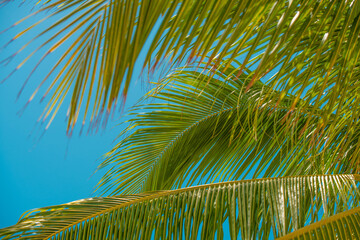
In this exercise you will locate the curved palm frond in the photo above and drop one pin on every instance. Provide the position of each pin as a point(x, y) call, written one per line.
point(251, 209)
point(344, 225)
point(311, 44)
point(224, 133)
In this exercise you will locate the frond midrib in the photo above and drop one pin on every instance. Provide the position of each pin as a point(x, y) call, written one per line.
point(177, 191)
point(178, 136)
point(181, 133)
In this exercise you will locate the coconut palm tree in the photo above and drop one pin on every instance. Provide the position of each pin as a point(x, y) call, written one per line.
point(254, 89)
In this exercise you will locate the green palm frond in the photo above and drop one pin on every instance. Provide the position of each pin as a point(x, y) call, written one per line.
point(344, 225)
point(311, 44)
point(205, 127)
point(103, 40)
point(251, 209)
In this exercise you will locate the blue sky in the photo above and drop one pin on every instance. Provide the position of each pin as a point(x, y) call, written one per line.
point(55, 169)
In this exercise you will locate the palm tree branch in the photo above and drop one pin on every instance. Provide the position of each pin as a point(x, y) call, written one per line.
point(266, 36)
point(223, 127)
point(160, 211)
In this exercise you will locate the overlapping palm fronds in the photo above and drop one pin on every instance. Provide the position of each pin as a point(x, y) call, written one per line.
point(344, 225)
point(311, 44)
point(205, 127)
point(218, 119)
point(251, 209)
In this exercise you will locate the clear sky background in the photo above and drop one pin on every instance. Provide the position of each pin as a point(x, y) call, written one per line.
point(56, 169)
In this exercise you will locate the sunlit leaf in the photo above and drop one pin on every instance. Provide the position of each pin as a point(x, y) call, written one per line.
point(251, 209)
point(312, 45)
point(344, 225)
point(205, 127)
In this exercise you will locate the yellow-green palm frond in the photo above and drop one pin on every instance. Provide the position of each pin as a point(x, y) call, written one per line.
point(102, 41)
point(205, 127)
point(311, 44)
point(344, 225)
point(250, 209)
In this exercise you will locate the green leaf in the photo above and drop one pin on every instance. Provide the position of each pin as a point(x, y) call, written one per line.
point(203, 127)
point(312, 46)
point(250, 209)
point(344, 225)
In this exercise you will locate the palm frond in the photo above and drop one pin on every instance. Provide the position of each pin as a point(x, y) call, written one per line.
point(205, 127)
point(252, 209)
point(344, 225)
point(102, 41)
point(311, 44)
